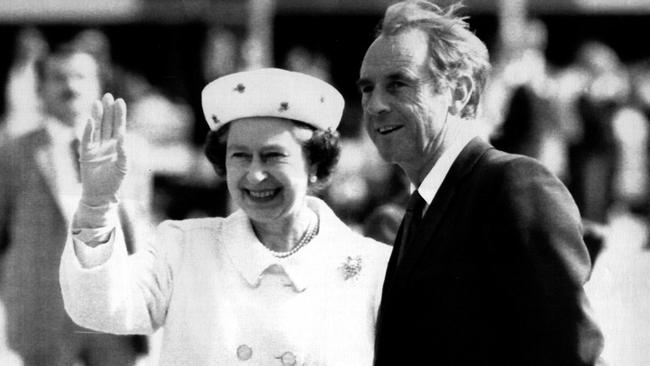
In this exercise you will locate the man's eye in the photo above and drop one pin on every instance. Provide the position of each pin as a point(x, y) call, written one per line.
point(393, 85)
point(364, 89)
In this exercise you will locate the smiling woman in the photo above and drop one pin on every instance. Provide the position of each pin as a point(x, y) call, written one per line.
point(280, 281)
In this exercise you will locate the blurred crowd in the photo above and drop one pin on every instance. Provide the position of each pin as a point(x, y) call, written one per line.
point(587, 122)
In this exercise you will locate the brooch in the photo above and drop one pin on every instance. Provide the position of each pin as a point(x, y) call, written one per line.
point(351, 267)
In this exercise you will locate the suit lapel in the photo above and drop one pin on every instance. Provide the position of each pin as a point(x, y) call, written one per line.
point(48, 159)
point(392, 262)
point(43, 157)
point(438, 209)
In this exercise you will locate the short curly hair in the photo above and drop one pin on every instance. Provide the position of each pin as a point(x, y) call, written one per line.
point(323, 149)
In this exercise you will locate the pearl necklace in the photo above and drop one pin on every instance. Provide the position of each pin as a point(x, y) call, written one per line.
point(309, 234)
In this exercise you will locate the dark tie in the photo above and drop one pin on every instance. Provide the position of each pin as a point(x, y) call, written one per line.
point(412, 219)
point(74, 148)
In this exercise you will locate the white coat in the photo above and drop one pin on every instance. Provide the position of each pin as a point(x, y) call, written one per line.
point(224, 299)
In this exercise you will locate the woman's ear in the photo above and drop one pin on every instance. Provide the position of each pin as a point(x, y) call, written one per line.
point(461, 94)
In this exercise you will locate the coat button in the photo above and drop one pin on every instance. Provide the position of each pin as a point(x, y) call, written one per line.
point(288, 359)
point(244, 352)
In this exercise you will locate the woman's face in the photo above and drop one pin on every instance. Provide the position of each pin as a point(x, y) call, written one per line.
point(266, 167)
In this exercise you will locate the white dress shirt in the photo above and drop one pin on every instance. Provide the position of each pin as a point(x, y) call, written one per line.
point(433, 180)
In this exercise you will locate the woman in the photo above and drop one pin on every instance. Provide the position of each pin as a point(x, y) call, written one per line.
point(281, 281)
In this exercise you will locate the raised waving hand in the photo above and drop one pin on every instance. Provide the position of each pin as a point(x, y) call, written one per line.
point(102, 157)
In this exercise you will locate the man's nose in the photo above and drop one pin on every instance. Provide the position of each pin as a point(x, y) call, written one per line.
point(72, 85)
point(376, 103)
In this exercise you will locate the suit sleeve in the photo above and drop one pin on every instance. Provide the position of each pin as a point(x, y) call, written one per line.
point(124, 294)
point(547, 266)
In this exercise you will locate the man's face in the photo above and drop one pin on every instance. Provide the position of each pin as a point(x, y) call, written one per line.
point(402, 112)
point(70, 84)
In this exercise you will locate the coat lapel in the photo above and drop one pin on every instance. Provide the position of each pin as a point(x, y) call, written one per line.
point(438, 208)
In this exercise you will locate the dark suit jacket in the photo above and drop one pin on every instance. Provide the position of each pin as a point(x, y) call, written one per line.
point(494, 275)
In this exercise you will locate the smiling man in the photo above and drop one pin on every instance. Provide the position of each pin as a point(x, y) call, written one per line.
point(489, 264)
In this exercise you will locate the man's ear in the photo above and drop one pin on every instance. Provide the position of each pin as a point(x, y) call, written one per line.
point(461, 94)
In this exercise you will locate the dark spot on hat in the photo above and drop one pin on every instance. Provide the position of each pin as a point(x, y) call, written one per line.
point(215, 119)
point(284, 106)
point(322, 99)
point(240, 88)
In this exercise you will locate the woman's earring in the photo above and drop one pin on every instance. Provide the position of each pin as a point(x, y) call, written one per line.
point(313, 178)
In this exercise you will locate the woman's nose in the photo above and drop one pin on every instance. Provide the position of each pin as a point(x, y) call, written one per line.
point(256, 171)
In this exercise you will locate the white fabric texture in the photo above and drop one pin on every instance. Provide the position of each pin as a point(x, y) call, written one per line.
point(222, 298)
point(271, 92)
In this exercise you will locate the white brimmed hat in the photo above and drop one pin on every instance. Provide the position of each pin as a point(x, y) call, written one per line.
point(272, 93)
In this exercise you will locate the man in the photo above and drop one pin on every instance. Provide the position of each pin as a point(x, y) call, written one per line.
point(39, 188)
point(493, 274)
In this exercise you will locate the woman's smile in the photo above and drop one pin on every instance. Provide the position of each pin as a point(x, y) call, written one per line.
point(262, 195)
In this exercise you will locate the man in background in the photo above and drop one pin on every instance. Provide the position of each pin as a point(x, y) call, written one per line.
point(39, 188)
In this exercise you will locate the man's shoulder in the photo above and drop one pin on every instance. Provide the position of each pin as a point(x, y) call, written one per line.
point(498, 159)
point(497, 170)
point(14, 148)
point(23, 139)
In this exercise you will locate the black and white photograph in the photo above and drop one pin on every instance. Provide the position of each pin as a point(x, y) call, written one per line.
point(324, 183)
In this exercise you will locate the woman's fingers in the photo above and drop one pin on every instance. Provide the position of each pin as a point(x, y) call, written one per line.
point(107, 123)
point(108, 103)
point(119, 118)
point(97, 112)
point(86, 138)
point(119, 131)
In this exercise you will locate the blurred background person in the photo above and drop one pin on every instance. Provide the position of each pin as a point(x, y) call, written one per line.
point(39, 188)
point(532, 119)
point(528, 115)
point(630, 124)
point(21, 98)
point(595, 157)
point(635, 185)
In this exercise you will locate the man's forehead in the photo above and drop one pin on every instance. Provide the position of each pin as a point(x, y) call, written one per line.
point(394, 54)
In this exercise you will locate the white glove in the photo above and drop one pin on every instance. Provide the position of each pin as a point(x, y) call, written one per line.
point(102, 157)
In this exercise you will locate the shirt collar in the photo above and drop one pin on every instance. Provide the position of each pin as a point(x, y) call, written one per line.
point(252, 259)
point(433, 180)
point(58, 131)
